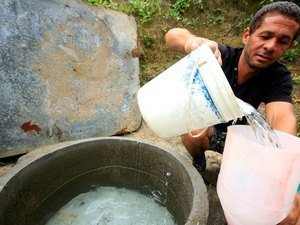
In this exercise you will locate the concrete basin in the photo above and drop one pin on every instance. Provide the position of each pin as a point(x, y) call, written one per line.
point(46, 179)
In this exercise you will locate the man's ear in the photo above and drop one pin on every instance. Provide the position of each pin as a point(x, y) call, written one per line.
point(246, 35)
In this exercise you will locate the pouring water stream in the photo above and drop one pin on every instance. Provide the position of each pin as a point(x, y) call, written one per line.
point(264, 133)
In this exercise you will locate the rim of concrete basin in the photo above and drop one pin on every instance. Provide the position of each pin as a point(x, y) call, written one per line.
point(44, 180)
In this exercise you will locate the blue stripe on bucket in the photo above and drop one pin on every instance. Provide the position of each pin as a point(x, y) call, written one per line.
point(197, 84)
point(197, 80)
point(298, 189)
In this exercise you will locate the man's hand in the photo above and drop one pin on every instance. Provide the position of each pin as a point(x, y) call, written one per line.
point(195, 42)
point(294, 216)
point(182, 40)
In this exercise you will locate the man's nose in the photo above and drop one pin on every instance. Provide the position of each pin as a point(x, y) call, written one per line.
point(270, 45)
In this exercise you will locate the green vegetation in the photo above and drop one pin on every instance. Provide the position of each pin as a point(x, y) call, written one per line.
point(296, 80)
point(145, 10)
point(245, 23)
point(292, 54)
point(148, 41)
point(215, 18)
point(105, 3)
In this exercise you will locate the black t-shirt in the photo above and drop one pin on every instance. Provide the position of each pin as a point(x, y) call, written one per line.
point(271, 84)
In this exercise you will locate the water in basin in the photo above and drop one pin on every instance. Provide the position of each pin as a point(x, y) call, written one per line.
point(112, 206)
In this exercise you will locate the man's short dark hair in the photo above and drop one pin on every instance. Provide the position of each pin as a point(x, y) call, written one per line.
point(285, 8)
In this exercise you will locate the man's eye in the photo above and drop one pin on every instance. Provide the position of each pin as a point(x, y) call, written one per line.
point(283, 42)
point(264, 37)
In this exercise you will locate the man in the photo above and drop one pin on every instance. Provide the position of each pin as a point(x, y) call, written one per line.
point(254, 75)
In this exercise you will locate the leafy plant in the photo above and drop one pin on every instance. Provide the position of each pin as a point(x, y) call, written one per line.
point(105, 3)
point(193, 22)
point(199, 4)
point(148, 41)
point(296, 80)
point(245, 23)
point(145, 10)
point(262, 3)
point(177, 9)
point(291, 54)
point(215, 18)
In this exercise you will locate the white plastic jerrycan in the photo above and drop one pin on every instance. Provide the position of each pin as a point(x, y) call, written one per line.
point(192, 94)
point(257, 184)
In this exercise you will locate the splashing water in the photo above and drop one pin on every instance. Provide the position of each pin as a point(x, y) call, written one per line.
point(112, 206)
point(264, 133)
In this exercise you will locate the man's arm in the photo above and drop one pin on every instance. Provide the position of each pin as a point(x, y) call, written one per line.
point(182, 40)
point(281, 116)
point(177, 38)
point(294, 216)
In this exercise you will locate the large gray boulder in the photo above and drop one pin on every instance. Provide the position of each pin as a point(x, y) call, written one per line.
point(68, 70)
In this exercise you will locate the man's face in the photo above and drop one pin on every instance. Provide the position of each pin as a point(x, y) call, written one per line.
point(270, 41)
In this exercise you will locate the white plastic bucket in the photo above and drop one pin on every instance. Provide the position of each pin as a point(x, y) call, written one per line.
point(257, 184)
point(192, 94)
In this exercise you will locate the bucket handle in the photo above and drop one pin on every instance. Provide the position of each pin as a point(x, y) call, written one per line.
point(198, 64)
